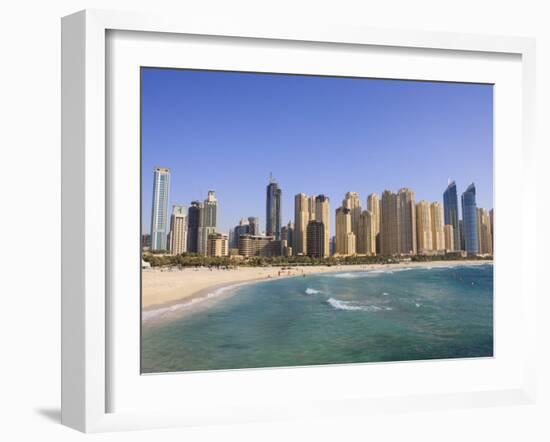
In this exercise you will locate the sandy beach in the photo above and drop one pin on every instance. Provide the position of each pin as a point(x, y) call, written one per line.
point(162, 287)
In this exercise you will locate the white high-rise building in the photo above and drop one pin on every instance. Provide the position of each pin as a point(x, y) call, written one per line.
point(159, 210)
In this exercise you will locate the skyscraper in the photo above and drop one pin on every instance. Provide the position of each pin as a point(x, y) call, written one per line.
point(366, 237)
point(353, 203)
point(302, 216)
point(159, 212)
point(389, 224)
point(322, 214)
point(424, 227)
point(449, 238)
point(438, 229)
point(398, 223)
point(287, 234)
point(178, 230)
point(242, 229)
point(208, 221)
point(193, 224)
point(484, 232)
point(316, 239)
point(345, 238)
point(450, 210)
point(469, 218)
point(373, 205)
point(491, 217)
point(273, 210)
point(461, 245)
point(407, 221)
point(254, 225)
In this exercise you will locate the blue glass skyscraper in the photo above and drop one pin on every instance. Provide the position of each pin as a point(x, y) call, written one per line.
point(273, 210)
point(159, 212)
point(450, 212)
point(469, 220)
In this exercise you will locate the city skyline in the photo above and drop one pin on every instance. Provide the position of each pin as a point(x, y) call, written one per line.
point(395, 224)
point(366, 159)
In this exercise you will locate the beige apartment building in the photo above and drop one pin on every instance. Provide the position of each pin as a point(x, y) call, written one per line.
point(438, 229)
point(424, 227)
point(484, 232)
point(353, 203)
point(373, 205)
point(366, 239)
point(302, 216)
point(178, 230)
point(345, 238)
point(398, 223)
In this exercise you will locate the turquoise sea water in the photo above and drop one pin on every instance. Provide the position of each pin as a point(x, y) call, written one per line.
point(346, 317)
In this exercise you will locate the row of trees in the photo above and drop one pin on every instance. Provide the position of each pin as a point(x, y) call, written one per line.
point(196, 260)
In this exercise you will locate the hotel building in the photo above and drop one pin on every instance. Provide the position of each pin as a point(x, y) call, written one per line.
point(469, 218)
point(450, 212)
point(159, 211)
point(273, 210)
point(218, 245)
point(259, 245)
point(178, 230)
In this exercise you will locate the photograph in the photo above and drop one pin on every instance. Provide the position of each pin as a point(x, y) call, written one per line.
point(293, 220)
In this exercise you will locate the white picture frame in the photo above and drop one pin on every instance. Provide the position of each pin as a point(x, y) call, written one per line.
point(86, 315)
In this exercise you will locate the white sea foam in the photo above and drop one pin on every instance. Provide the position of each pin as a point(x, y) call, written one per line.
point(350, 305)
point(149, 315)
point(418, 305)
point(360, 274)
point(310, 291)
point(350, 275)
point(402, 269)
point(385, 294)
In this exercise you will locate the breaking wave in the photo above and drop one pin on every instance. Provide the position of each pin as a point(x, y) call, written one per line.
point(310, 291)
point(353, 306)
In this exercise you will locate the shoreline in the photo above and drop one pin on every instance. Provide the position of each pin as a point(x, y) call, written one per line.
point(168, 291)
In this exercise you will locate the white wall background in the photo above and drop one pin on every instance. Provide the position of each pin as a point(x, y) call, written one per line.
point(30, 215)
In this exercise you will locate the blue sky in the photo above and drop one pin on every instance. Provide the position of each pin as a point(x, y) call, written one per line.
point(227, 131)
